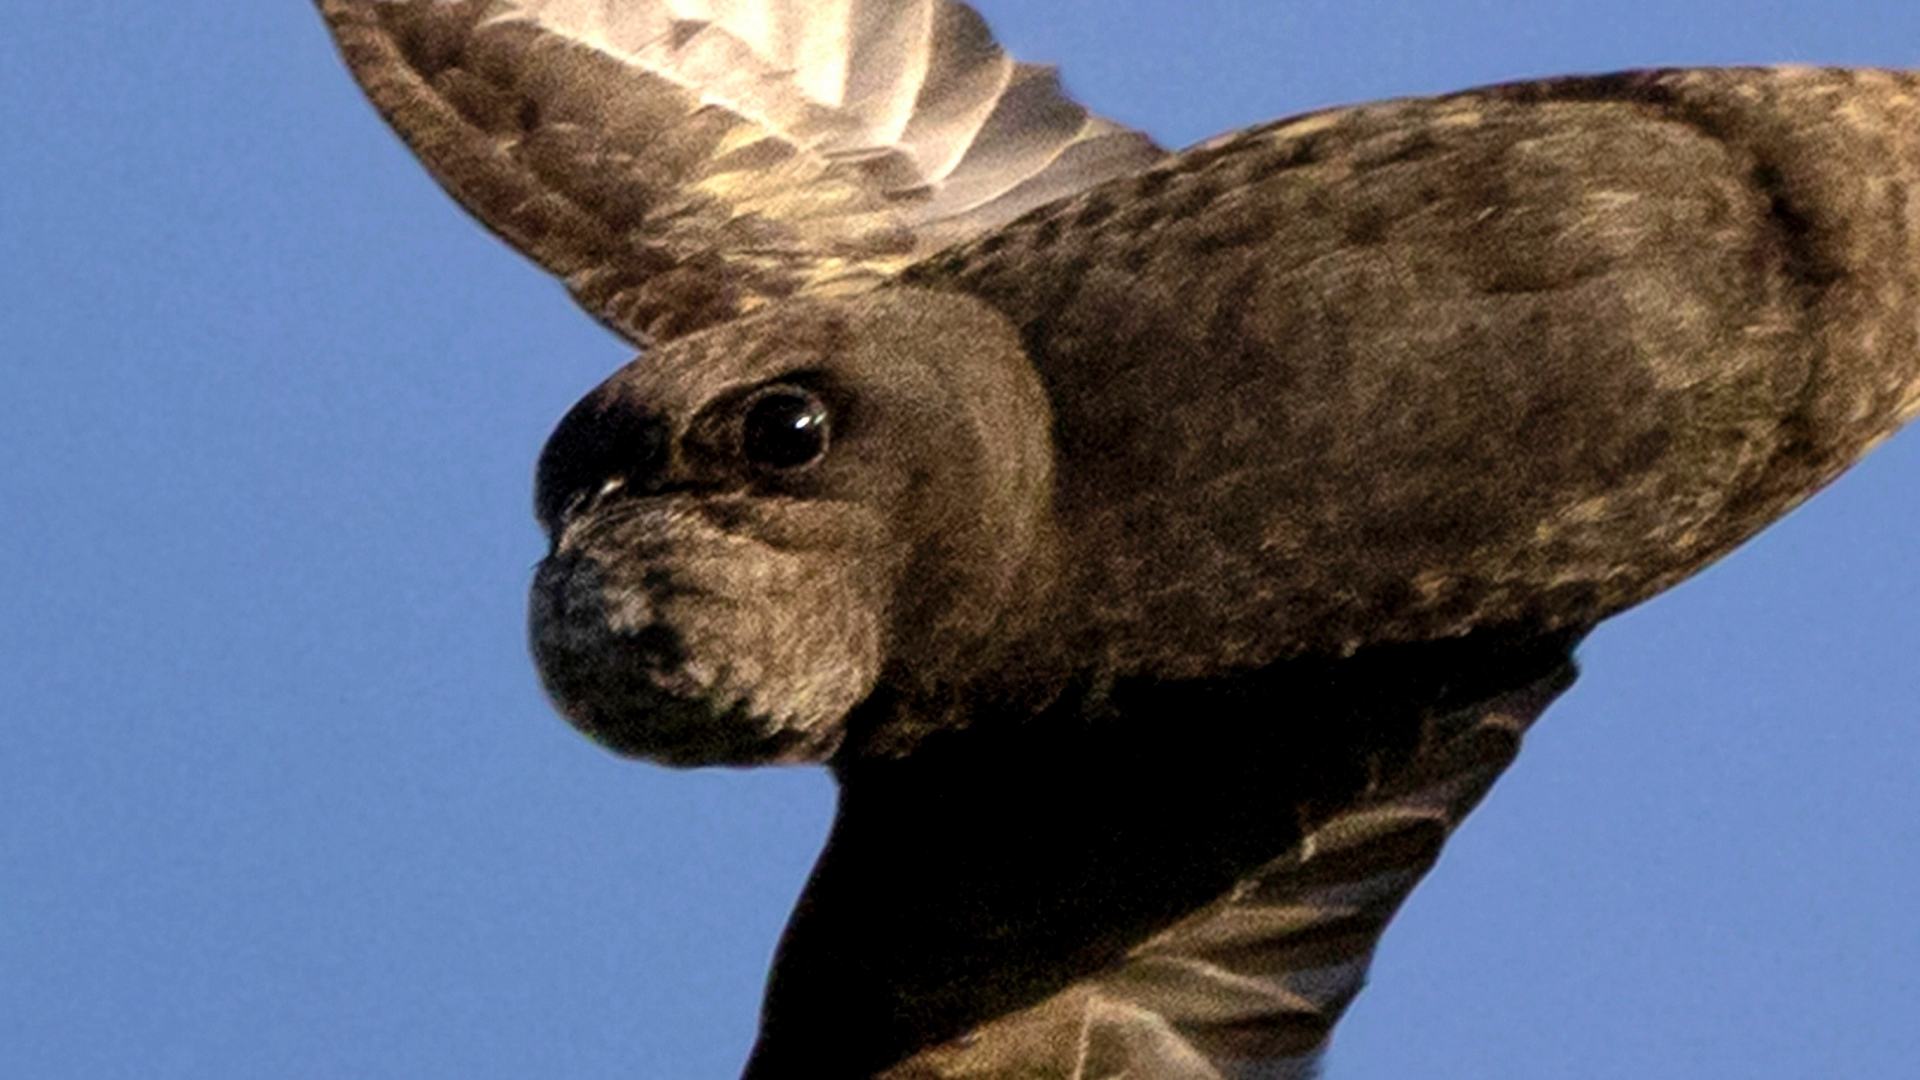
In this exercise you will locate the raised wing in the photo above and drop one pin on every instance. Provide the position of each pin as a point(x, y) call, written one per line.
point(677, 162)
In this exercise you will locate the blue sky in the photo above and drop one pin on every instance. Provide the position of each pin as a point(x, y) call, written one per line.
point(280, 796)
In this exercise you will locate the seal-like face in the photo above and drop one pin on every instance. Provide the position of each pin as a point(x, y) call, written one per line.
point(754, 525)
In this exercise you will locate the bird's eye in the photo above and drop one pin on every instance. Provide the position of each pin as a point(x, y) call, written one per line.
point(785, 428)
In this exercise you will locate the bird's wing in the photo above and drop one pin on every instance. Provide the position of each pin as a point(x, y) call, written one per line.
point(677, 162)
point(1252, 985)
point(1532, 352)
point(1180, 879)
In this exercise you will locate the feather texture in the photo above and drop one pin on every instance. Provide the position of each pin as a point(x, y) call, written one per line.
point(1250, 986)
point(679, 162)
point(1529, 352)
point(1149, 879)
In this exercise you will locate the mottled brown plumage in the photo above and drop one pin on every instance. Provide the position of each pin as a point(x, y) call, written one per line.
point(676, 171)
point(1166, 551)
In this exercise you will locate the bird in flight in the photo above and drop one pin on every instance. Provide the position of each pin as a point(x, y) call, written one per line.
point(1165, 550)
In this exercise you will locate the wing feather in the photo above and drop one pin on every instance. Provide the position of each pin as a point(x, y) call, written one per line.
point(679, 162)
point(1531, 352)
point(1251, 986)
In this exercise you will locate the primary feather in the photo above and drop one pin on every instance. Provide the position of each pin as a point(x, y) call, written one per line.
point(680, 163)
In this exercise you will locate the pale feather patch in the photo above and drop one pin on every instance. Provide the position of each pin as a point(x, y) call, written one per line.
point(681, 162)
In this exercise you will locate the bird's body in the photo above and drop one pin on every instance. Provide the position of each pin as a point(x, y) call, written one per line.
point(1166, 551)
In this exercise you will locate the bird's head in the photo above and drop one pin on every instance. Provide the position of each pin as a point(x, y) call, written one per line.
point(752, 525)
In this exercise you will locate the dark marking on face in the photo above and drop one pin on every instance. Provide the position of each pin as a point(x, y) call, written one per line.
point(598, 442)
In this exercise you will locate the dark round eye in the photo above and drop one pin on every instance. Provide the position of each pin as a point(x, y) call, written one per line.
point(786, 428)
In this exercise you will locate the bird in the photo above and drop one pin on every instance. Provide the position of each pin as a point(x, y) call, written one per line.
point(1165, 551)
